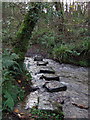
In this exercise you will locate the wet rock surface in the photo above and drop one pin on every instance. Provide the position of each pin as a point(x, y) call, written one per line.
point(69, 92)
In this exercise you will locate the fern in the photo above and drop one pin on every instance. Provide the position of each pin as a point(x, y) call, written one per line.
point(9, 85)
point(9, 101)
point(9, 59)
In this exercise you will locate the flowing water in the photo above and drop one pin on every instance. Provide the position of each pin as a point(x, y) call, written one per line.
point(51, 93)
point(74, 77)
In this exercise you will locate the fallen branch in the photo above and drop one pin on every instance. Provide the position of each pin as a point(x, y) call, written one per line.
point(80, 105)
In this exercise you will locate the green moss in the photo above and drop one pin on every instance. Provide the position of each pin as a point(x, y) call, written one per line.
point(24, 33)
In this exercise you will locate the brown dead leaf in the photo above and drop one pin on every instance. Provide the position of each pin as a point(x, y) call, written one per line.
point(22, 113)
point(18, 98)
point(16, 110)
point(80, 106)
point(19, 81)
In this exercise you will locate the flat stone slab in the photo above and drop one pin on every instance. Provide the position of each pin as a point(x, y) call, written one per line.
point(38, 58)
point(32, 100)
point(42, 63)
point(55, 86)
point(50, 77)
point(47, 70)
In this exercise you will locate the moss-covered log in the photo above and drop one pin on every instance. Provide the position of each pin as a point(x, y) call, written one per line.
point(23, 35)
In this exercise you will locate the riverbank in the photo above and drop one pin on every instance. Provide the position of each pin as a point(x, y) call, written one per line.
point(62, 55)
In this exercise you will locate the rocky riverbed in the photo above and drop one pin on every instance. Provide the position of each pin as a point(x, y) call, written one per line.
point(60, 87)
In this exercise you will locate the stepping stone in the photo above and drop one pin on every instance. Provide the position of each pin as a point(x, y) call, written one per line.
point(50, 77)
point(32, 100)
point(42, 63)
point(47, 70)
point(55, 86)
point(38, 58)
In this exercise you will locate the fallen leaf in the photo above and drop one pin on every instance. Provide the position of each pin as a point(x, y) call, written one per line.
point(23, 87)
point(80, 106)
point(16, 110)
point(19, 81)
point(22, 113)
point(18, 98)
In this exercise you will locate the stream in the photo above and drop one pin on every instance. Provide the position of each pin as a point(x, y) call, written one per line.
point(55, 85)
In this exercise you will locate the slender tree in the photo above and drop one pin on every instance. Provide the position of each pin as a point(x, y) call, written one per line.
point(89, 17)
point(59, 8)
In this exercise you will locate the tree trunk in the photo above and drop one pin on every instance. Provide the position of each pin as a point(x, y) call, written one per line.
point(89, 18)
point(59, 8)
point(23, 35)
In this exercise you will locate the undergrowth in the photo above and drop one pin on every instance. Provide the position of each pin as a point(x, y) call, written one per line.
point(65, 40)
point(72, 46)
point(13, 90)
point(72, 53)
point(45, 115)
